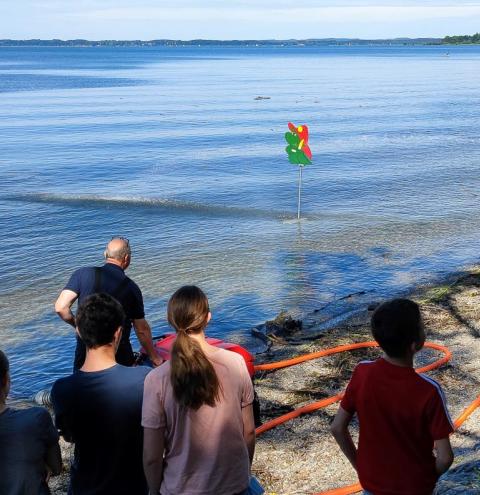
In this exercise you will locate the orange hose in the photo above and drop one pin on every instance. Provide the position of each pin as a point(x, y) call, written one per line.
point(344, 490)
point(314, 355)
point(298, 412)
point(348, 490)
point(466, 413)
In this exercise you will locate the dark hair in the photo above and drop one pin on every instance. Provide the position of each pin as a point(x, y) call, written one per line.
point(4, 368)
point(192, 375)
point(397, 324)
point(98, 318)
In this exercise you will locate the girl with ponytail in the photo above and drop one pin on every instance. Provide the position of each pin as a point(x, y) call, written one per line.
point(193, 377)
point(199, 434)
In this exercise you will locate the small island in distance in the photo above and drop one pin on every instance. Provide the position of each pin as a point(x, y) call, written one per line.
point(447, 40)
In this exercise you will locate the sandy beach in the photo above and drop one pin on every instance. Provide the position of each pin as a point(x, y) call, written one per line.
point(300, 457)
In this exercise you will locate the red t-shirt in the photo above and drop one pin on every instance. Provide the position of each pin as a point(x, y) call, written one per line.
point(400, 413)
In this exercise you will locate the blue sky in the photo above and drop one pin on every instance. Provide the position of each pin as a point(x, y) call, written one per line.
point(231, 19)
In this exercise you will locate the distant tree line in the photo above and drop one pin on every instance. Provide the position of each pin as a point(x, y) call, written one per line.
point(462, 40)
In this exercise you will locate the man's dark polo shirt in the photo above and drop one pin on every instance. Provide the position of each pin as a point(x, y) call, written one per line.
point(100, 412)
point(82, 282)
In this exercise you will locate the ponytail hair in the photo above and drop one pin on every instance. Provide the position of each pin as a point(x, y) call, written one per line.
point(192, 375)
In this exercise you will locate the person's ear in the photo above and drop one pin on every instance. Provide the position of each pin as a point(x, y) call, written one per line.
point(421, 339)
point(5, 386)
point(105, 254)
point(417, 346)
point(117, 336)
point(209, 316)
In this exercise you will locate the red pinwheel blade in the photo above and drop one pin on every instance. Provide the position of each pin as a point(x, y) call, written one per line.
point(307, 151)
point(303, 134)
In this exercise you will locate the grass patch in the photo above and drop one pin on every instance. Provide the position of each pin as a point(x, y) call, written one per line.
point(437, 294)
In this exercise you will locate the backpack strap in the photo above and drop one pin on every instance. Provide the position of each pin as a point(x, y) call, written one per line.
point(98, 280)
point(117, 293)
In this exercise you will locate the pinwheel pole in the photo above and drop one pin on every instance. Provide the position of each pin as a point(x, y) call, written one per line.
point(300, 169)
point(298, 153)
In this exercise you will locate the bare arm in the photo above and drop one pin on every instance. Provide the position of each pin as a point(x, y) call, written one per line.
point(53, 459)
point(249, 430)
point(340, 432)
point(444, 455)
point(144, 334)
point(153, 449)
point(63, 306)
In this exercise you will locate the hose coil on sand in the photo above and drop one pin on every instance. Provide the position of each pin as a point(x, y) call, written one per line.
point(314, 406)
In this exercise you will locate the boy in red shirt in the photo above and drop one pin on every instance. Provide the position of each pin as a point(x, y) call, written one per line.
point(402, 415)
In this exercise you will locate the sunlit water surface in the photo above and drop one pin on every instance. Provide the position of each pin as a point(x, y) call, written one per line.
point(169, 147)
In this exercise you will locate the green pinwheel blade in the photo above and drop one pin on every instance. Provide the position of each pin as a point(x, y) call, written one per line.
point(292, 139)
point(296, 156)
point(292, 154)
point(303, 158)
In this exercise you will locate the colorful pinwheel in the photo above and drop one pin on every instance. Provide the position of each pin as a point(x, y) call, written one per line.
point(298, 150)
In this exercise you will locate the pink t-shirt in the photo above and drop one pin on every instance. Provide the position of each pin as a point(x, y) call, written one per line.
point(205, 451)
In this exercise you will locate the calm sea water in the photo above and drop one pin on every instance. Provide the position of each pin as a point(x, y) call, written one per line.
point(169, 147)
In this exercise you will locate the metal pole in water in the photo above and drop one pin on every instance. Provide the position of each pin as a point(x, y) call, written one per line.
point(299, 191)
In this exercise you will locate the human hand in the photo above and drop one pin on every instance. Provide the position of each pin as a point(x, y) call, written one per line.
point(156, 360)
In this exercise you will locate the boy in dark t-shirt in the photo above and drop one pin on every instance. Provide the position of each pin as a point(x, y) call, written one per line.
point(402, 415)
point(99, 407)
point(29, 447)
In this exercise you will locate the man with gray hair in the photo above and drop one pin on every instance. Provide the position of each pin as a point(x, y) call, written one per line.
point(111, 279)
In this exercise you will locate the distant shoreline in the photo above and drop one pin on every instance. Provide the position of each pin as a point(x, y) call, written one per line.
point(202, 42)
point(401, 41)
